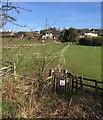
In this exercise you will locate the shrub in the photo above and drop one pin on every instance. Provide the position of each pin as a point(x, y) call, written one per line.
point(97, 41)
point(91, 41)
point(85, 41)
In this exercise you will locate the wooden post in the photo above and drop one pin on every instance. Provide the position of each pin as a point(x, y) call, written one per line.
point(54, 84)
point(96, 87)
point(67, 82)
point(15, 78)
point(64, 71)
point(81, 82)
point(76, 84)
point(72, 84)
point(57, 85)
point(65, 87)
point(50, 72)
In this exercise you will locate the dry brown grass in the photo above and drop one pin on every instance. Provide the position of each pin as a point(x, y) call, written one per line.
point(32, 103)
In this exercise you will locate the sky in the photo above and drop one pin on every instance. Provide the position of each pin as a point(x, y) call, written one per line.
point(63, 14)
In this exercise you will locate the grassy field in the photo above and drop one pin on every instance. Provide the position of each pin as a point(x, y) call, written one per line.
point(84, 60)
point(80, 60)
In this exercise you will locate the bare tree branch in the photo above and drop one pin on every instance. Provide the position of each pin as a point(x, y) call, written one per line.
point(5, 16)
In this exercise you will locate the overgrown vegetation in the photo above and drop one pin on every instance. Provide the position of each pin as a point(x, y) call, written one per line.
point(91, 41)
point(23, 102)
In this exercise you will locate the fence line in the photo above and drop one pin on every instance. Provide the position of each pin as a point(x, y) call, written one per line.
point(82, 81)
point(11, 69)
point(76, 82)
point(71, 81)
point(23, 76)
point(24, 45)
point(6, 70)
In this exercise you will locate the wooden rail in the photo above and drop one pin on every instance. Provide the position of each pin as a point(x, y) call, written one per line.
point(80, 82)
point(77, 83)
point(11, 69)
point(5, 70)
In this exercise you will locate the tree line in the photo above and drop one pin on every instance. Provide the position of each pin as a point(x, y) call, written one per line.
point(73, 35)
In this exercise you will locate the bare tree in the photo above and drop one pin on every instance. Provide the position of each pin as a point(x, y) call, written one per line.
point(5, 10)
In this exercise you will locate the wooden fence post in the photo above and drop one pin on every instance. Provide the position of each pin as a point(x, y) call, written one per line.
point(15, 78)
point(76, 84)
point(81, 82)
point(65, 78)
point(54, 84)
point(50, 72)
point(66, 85)
point(96, 87)
point(72, 84)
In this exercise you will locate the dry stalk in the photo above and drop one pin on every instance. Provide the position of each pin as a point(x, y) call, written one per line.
point(70, 102)
point(90, 109)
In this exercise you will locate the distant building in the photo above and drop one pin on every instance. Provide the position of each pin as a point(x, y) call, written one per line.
point(88, 35)
point(91, 34)
point(44, 37)
point(48, 36)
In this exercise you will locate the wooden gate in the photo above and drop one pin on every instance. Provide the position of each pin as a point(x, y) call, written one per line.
point(62, 82)
point(66, 82)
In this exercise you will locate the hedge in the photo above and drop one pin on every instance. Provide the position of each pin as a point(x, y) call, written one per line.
point(91, 41)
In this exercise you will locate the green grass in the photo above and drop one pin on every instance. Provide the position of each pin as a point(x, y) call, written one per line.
point(84, 60)
point(9, 109)
point(80, 60)
point(12, 41)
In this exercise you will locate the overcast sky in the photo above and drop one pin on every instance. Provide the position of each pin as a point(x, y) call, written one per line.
point(64, 14)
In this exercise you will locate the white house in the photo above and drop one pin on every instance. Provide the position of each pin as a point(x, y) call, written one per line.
point(81, 36)
point(48, 35)
point(88, 34)
point(51, 36)
point(91, 34)
point(44, 37)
